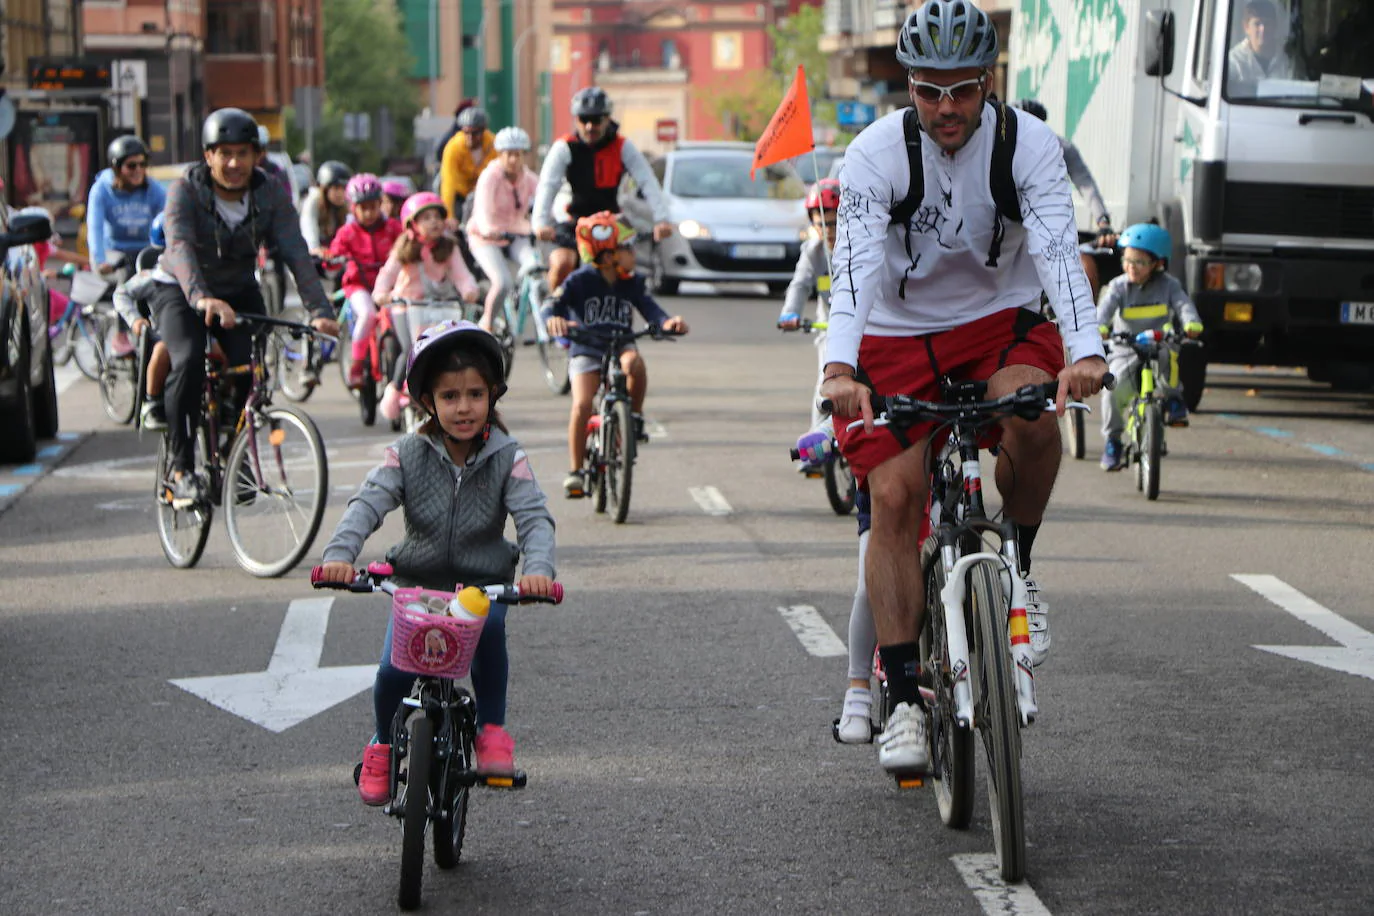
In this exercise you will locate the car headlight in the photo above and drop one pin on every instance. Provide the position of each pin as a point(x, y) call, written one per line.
point(1243, 278)
point(691, 229)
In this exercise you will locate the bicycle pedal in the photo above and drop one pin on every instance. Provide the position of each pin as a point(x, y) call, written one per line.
point(517, 780)
point(910, 782)
point(357, 773)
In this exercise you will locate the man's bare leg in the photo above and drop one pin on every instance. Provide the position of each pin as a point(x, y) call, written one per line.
point(1031, 451)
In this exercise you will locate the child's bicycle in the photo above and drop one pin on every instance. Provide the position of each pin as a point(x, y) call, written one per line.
point(83, 329)
point(522, 308)
point(975, 643)
point(1144, 416)
point(433, 766)
point(264, 464)
point(840, 487)
point(613, 436)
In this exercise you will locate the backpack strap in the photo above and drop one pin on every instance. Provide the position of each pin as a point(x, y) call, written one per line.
point(1000, 179)
point(916, 186)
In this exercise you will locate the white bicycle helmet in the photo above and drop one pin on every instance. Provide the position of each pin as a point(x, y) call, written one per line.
point(947, 35)
point(512, 138)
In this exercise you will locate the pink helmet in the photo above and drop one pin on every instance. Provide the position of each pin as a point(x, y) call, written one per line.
point(363, 187)
point(417, 203)
point(446, 335)
point(394, 188)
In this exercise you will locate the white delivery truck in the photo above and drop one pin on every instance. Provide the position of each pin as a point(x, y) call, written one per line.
point(1245, 127)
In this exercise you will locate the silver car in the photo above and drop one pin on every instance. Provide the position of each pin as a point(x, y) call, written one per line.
point(726, 226)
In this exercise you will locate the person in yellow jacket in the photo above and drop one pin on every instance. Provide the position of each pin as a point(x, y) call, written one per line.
point(465, 156)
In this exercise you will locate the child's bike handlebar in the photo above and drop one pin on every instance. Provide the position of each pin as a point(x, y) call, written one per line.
point(376, 578)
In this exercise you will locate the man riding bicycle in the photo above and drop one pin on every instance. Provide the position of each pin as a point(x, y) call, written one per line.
point(950, 287)
point(218, 216)
point(593, 159)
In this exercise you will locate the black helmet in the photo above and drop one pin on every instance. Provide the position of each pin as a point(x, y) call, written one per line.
point(229, 125)
point(591, 102)
point(122, 148)
point(472, 118)
point(1032, 106)
point(331, 173)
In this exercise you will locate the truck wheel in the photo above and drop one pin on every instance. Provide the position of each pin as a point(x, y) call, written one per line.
point(1350, 376)
point(1192, 374)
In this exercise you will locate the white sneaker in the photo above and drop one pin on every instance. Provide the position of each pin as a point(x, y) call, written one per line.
point(903, 748)
point(854, 725)
point(1038, 622)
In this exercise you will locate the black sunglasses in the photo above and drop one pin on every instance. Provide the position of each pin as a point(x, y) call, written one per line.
point(592, 120)
point(130, 164)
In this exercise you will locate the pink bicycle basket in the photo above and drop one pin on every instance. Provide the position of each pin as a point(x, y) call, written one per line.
point(426, 642)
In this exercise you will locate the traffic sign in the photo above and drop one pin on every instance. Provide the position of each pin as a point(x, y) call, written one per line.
point(666, 130)
point(855, 114)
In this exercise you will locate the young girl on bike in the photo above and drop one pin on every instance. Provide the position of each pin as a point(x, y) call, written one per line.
point(499, 229)
point(457, 479)
point(394, 194)
point(1145, 297)
point(605, 292)
point(424, 264)
point(812, 274)
point(366, 241)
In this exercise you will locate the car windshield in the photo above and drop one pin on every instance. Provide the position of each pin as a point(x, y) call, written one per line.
point(1302, 54)
point(727, 175)
point(822, 164)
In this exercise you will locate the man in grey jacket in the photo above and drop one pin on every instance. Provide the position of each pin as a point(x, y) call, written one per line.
point(217, 219)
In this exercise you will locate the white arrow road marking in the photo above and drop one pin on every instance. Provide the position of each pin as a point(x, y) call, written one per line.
point(1355, 655)
point(812, 630)
point(710, 500)
point(294, 687)
point(981, 873)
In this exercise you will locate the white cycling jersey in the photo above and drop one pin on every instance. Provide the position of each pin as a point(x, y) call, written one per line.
point(944, 282)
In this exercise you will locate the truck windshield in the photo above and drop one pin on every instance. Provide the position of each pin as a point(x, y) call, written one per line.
point(1302, 54)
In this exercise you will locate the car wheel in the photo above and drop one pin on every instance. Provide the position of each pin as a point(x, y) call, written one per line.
point(18, 437)
point(663, 284)
point(777, 289)
point(45, 401)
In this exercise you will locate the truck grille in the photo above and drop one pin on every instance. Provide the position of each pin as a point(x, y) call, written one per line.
point(1325, 211)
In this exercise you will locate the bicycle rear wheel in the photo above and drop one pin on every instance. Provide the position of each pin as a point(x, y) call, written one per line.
point(951, 745)
point(295, 358)
point(839, 485)
point(182, 532)
point(620, 459)
point(999, 718)
point(451, 821)
point(594, 469)
point(119, 387)
point(87, 344)
point(419, 755)
point(275, 488)
point(505, 335)
point(1152, 448)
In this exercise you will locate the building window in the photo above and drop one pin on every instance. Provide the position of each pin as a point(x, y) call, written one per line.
point(727, 51)
point(234, 28)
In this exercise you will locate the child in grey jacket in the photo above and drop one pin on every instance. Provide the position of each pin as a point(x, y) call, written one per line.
point(1144, 298)
point(457, 479)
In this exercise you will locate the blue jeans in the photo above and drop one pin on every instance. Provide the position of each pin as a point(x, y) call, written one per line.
point(490, 667)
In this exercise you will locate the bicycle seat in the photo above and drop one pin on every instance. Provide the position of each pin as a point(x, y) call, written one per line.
point(962, 392)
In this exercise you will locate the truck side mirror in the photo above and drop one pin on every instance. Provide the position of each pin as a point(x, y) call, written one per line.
point(1159, 48)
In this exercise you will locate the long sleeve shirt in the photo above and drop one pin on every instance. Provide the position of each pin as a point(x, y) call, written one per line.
point(367, 249)
point(501, 205)
point(1126, 306)
point(555, 170)
point(460, 168)
point(812, 275)
point(587, 299)
point(139, 288)
point(408, 281)
point(881, 290)
point(118, 221)
point(1083, 180)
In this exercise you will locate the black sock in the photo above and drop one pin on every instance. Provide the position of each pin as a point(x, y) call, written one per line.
point(901, 664)
point(1025, 540)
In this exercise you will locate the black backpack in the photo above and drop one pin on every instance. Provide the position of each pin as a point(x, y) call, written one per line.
point(999, 179)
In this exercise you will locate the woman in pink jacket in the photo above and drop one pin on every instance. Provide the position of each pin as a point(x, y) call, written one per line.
point(425, 263)
point(499, 229)
point(366, 241)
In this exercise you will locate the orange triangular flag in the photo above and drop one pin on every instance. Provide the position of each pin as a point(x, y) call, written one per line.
point(789, 132)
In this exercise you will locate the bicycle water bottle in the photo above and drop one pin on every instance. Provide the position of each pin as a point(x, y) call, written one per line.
point(470, 604)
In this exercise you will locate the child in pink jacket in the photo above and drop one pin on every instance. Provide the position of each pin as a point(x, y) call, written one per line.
point(425, 263)
point(366, 240)
point(499, 228)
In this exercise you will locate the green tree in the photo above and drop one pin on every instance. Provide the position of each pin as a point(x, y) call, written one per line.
point(367, 66)
point(746, 104)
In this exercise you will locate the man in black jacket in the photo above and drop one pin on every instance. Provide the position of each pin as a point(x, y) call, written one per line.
point(217, 219)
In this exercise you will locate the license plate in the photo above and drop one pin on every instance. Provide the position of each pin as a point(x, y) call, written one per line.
point(760, 252)
point(1357, 313)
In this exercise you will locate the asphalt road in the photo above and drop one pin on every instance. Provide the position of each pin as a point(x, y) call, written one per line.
point(675, 730)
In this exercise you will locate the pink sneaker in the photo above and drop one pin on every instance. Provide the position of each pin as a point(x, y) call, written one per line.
point(495, 752)
point(355, 372)
point(120, 345)
point(391, 402)
point(374, 784)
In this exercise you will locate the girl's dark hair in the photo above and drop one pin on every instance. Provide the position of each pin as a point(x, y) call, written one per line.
point(407, 248)
point(458, 359)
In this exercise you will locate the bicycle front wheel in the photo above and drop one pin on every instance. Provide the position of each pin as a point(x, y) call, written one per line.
point(295, 358)
point(620, 459)
point(951, 745)
point(119, 387)
point(1152, 449)
point(275, 489)
point(839, 485)
point(999, 718)
point(182, 532)
point(554, 358)
point(451, 820)
point(87, 344)
point(419, 754)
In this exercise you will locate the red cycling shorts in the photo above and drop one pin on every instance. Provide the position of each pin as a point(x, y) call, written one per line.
point(914, 366)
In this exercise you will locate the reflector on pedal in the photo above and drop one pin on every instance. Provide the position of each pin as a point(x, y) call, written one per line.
point(500, 782)
point(910, 783)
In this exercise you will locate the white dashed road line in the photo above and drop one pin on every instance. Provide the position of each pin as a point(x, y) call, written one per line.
point(812, 630)
point(996, 897)
point(710, 500)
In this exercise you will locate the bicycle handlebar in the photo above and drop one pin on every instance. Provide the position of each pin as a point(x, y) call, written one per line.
point(376, 578)
point(267, 321)
point(1027, 402)
point(429, 303)
point(616, 334)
